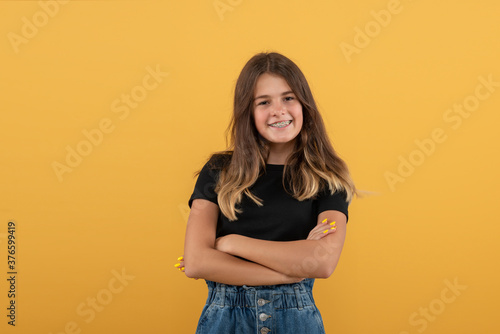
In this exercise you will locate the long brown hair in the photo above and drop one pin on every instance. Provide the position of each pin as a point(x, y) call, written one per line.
point(313, 163)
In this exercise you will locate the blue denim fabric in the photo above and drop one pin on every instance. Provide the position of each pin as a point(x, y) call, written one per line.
point(273, 309)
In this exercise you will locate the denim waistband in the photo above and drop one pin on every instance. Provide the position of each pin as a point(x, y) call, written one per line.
point(282, 296)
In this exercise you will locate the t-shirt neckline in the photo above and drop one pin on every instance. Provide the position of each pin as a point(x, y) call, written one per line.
point(275, 167)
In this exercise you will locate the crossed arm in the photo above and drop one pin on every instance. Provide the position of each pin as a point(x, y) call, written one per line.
point(270, 262)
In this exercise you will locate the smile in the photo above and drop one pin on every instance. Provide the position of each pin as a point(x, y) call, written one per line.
point(281, 124)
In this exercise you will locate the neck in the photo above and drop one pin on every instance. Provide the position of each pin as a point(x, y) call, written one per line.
point(278, 153)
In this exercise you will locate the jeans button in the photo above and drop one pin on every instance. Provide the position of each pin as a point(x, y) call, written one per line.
point(264, 330)
point(262, 302)
point(264, 317)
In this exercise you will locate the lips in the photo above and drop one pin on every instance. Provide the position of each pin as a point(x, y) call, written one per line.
point(280, 124)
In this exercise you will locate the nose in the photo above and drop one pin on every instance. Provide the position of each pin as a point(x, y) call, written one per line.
point(279, 109)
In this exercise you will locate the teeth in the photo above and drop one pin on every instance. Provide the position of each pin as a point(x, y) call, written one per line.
point(280, 124)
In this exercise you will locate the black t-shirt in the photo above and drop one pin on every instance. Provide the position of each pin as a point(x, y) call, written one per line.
point(281, 218)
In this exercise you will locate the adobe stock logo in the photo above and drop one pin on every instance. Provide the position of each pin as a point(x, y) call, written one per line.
point(31, 27)
point(89, 309)
point(224, 6)
point(371, 30)
point(427, 146)
point(429, 313)
point(121, 106)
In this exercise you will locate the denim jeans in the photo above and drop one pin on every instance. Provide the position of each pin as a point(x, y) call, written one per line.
point(273, 309)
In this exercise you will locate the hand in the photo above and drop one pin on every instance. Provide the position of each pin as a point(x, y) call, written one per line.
point(321, 230)
point(180, 265)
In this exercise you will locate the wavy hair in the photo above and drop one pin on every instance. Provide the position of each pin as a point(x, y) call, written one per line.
point(313, 164)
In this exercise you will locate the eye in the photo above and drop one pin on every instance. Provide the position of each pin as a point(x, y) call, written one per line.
point(261, 103)
point(289, 98)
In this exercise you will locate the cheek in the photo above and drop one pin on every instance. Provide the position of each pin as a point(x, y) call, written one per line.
point(299, 124)
point(259, 120)
point(298, 115)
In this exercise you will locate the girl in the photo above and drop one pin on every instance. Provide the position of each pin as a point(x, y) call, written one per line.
point(268, 215)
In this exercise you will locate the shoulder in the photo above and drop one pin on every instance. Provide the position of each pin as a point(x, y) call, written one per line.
point(208, 177)
point(214, 165)
point(219, 160)
point(333, 200)
point(325, 191)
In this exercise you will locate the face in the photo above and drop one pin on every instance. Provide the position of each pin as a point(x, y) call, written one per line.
point(277, 111)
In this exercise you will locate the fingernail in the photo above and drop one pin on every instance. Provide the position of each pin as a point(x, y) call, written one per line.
point(177, 265)
point(325, 231)
point(181, 268)
point(180, 258)
point(324, 220)
point(332, 223)
point(333, 228)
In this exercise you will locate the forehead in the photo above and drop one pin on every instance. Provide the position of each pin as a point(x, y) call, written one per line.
point(270, 84)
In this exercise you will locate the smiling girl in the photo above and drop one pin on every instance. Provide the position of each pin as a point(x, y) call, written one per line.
point(269, 213)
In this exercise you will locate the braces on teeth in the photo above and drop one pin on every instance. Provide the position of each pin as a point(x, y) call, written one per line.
point(280, 124)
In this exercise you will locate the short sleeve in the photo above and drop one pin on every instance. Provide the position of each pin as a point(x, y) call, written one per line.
point(337, 201)
point(205, 185)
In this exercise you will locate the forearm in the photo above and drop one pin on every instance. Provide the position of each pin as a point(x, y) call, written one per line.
point(218, 266)
point(301, 258)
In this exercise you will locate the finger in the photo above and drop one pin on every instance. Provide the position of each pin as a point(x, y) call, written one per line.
point(330, 229)
point(323, 222)
point(331, 225)
point(320, 235)
point(180, 265)
point(325, 231)
point(321, 229)
point(317, 232)
point(325, 228)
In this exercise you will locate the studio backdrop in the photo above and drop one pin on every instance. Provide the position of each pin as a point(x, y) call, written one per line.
point(108, 108)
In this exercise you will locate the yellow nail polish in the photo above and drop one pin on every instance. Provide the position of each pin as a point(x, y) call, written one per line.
point(333, 228)
point(177, 265)
point(182, 268)
point(180, 258)
point(332, 223)
point(324, 220)
point(325, 231)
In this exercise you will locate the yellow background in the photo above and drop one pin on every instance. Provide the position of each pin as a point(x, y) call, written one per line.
point(124, 207)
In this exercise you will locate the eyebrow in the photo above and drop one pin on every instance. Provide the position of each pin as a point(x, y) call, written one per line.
point(267, 96)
